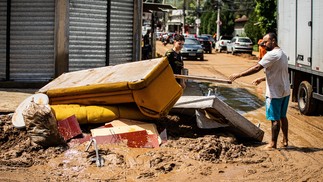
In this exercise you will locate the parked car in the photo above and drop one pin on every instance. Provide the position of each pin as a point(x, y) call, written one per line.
point(159, 35)
point(240, 44)
point(189, 35)
point(221, 44)
point(192, 48)
point(164, 36)
point(169, 37)
point(206, 44)
point(211, 39)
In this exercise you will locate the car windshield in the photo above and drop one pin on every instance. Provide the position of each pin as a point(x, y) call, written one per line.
point(203, 38)
point(244, 40)
point(191, 41)
point(226, 38)
point(207, 35)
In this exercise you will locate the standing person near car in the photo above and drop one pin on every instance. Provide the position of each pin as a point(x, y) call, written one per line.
point(147, 47)
point(277, 87)
point(175, 57)
point(262, 49)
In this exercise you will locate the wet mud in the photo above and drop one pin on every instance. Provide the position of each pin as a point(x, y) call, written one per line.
point(186, 145)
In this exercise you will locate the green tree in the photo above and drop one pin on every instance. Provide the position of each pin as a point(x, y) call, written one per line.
point(227, 20)
point(205, 21)
point(211, 28)
point(266, 11)
point(253, 29)
point(230, 9)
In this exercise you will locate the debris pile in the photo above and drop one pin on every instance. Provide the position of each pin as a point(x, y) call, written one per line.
point(123, 104)
point(144, 90)
point(210, 148)
point(17, 149)
point(41, 125)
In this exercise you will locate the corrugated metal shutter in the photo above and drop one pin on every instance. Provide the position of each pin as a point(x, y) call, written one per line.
point(87, 34)
point(121, 31)
point(3, 29)
point(32, 39)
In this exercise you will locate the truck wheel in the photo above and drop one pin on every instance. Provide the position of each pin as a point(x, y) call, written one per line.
point(306, 103)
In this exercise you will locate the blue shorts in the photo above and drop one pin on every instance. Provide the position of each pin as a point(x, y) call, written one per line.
point(276, 108)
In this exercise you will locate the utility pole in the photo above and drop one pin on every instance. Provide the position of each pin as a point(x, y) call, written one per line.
point(184, 8)
point(198, 18)
point(164, 18)
point(218, 22)
point(152, 33)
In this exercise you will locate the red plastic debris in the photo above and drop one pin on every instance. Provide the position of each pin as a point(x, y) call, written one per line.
point(136, 139)
point(69, 128)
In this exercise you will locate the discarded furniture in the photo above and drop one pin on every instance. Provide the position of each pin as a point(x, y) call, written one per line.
point(211, 112)
point(150, 84)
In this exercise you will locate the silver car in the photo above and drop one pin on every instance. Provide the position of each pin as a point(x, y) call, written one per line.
point(192, 49)
point(240, 44)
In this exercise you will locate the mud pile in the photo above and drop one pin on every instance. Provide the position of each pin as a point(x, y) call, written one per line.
point(212, 145)
point(210, 148)
point(17, 149)
point(185, 141)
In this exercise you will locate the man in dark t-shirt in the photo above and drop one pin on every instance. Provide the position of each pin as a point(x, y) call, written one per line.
point(147, 46)
point(175, 58)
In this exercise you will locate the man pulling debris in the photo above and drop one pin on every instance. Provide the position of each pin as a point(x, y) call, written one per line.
point(277, 87)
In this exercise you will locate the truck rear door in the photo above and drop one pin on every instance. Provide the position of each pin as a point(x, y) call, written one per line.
point(287, 28)
point(317, 44)
point(304, 32)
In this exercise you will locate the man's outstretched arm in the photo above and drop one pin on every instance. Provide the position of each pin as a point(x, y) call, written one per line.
point(252, 70)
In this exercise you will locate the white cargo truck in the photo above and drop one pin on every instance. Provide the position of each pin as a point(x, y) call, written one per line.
point(300, 35)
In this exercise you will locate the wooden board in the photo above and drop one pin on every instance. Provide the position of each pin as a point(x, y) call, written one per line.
point(203, 78)
point(124, 122)
point(195, 102)
point(115, 130)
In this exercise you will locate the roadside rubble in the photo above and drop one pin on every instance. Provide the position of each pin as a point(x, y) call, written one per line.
point(144, 90)
point(211, 112)
point(123, 104)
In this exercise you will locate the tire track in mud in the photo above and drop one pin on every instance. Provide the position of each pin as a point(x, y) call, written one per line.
point(302, 132)
point(319, 128)
point(314, 121)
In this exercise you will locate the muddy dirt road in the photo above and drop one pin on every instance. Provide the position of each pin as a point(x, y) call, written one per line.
point(190, 153)
point(241, 95)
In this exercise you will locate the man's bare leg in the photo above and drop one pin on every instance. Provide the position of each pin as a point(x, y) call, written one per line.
point(284, 128)
point(275, 127)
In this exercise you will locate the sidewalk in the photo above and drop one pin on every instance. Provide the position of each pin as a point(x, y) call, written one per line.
point(11, 98)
